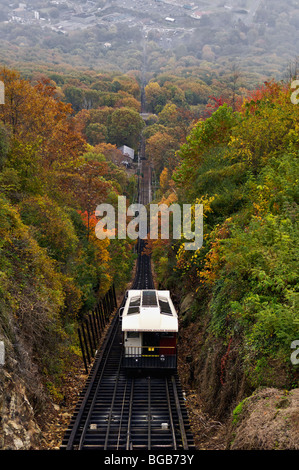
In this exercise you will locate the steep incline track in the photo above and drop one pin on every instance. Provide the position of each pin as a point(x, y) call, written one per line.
point(120, 411)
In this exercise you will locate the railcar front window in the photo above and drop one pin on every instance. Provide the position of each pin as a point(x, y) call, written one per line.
point(132, 334)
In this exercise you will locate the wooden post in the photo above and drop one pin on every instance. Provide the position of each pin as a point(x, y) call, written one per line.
point(98, 321)
point(89, 337)
point(92, 332)
point(86, 343)
point(82, 349)
point(95, 326)
point(114, 296)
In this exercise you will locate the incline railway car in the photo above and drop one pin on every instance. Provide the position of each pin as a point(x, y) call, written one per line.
point(149, 327)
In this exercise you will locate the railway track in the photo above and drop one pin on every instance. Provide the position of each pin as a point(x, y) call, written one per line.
point(118, 410)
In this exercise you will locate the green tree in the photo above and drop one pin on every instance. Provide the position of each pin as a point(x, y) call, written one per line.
point(124, 127)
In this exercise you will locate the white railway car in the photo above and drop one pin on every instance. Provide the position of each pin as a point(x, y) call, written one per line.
point(149, 327)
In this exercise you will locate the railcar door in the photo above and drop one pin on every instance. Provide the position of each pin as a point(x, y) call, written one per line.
point(168, 344)
point(151, 341)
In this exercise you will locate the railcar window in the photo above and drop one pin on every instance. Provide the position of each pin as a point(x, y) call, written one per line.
point(167, 334)
point(165, 307)
point(149, 298)
point(132, 334)
point(133, 310)
point(134, 301)
point(134, 306)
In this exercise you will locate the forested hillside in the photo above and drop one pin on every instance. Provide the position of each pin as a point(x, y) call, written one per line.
point(201, 38)
point(53, 269)
point(241, 287)
point(210, 139)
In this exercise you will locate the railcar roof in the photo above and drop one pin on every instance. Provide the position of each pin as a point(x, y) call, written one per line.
point(149, 310)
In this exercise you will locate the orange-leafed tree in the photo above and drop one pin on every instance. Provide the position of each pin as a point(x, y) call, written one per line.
point(87, 185)
point(33, 113)
point(161, 148)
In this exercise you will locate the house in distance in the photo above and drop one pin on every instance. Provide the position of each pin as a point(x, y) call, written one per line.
point(128, 153)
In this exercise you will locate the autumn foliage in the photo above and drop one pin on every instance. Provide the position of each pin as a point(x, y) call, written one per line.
point(53, 268)
point(242, 166)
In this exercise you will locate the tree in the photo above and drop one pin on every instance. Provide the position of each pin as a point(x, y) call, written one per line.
point(207, 53)
point(96, 133)
point(124, 127)
point(169, 115)
point(160, 149)
point(4, 145)
point(164, 180)
point(75, 96)
point(205, 139)
point(257, 139)
point(155, 97)
point(59, 140)
point(87, 184)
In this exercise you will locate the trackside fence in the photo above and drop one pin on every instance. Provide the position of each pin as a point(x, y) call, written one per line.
point(92, 326)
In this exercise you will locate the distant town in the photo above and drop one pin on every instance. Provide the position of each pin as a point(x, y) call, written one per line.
point(63, 16)
point(261, 36)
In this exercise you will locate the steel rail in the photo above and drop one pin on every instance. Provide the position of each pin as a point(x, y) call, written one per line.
point(177, 433)
point(112, 405)
point(149, 414)
point(121, 415)
point(128, 441)
point(99, 381)
point(174, 440)
point(89, 390)
point(180, 416)
point(136, 412)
